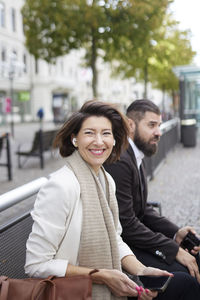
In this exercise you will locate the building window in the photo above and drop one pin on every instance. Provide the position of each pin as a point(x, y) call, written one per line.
point(2, 14)
point(25, 63)
point(3, 55)
point(13, 19)
point(3, 62)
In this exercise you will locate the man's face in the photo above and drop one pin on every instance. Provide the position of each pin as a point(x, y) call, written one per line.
point(147, 133)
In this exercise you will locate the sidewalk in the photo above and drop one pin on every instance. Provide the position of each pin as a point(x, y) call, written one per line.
point(176, 185)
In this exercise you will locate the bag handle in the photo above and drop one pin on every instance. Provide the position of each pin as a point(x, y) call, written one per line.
point(93, 271)
point(4, 284)
point(37, 288)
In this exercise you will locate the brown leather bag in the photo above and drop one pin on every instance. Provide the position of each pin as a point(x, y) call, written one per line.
point(77, 287)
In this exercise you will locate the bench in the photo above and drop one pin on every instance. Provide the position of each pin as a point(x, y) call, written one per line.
point(4, 140)
point(42, 142)
point(14, 234)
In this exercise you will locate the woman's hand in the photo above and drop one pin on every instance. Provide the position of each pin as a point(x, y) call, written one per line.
point(145, 294)
point(150, 271)
point(120, 285)
point(155, 272)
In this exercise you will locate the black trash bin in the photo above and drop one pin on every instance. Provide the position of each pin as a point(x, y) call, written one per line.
point(189, 132)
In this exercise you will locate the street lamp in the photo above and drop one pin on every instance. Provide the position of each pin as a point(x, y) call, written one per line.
point(11, 74)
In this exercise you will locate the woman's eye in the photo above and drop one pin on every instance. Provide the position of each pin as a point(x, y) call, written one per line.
point(89, 132)
point(107, 133)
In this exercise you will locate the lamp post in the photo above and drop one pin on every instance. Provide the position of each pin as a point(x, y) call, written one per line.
point(11, 77)
point(11, 73)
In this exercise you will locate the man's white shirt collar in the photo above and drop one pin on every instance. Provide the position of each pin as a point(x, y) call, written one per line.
point(138, 154)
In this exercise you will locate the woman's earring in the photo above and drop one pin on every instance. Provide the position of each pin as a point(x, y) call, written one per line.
point(74, 142)
point(114, 143)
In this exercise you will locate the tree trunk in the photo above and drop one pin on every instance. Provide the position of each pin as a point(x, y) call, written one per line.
point(163, 104)
point(174, 98)
point(93, 66)
point(145, 79)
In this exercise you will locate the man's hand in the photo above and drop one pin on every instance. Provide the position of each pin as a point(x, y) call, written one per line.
point(189, 261)
point(182, 233)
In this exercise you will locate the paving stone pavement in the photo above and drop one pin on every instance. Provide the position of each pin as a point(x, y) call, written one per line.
point(176, 184)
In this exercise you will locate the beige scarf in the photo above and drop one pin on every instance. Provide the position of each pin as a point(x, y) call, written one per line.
point(98, 244)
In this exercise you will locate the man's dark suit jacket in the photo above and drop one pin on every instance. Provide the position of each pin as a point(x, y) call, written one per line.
point(143, 227)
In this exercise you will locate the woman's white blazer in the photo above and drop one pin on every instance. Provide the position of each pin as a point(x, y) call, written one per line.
point(55, 237)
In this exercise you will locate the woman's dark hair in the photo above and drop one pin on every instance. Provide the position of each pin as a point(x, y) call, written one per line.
point(138, 108)
point(99, 109)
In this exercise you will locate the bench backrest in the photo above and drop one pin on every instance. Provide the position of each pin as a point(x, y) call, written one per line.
point(44, 137)
point(47, 139)
point(13, 237)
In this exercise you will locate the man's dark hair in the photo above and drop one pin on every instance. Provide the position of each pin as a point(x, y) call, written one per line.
point(138, 108)
point(94, 108)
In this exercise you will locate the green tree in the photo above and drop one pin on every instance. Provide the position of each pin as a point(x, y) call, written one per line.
point(54, 27)
point(172, 51)
point(162, 50)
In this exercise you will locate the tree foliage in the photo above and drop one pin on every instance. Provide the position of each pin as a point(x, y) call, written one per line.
point(166, 47)
point(54, 27)
point(173, 49)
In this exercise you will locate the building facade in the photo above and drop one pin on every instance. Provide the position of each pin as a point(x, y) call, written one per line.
point(26, 85)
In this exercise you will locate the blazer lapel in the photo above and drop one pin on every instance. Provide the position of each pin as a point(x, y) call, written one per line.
point(141, 176)
point(144, 182)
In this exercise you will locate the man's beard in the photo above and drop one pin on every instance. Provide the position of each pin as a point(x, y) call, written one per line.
point(147, 148)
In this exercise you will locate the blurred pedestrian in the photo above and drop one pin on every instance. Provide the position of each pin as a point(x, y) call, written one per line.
point(40, 115)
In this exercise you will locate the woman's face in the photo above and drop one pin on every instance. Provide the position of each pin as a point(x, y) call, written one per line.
point(95, 141)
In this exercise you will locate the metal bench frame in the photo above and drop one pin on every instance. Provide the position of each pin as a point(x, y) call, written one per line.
point(5, 139)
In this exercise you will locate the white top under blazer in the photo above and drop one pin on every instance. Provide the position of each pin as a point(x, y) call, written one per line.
point(55, 237)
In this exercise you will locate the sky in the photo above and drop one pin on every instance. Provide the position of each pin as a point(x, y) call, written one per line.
point(187, 12)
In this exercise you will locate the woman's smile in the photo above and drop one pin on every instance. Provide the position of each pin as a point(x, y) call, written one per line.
point(97, 152)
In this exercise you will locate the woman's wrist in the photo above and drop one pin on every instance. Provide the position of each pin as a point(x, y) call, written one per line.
point(99, 276)
point(132, 265)
point(141, 270)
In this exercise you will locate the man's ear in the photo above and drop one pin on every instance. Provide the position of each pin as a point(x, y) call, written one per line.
point(131, 126)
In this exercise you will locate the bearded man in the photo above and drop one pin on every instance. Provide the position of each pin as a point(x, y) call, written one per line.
point(154, 239)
